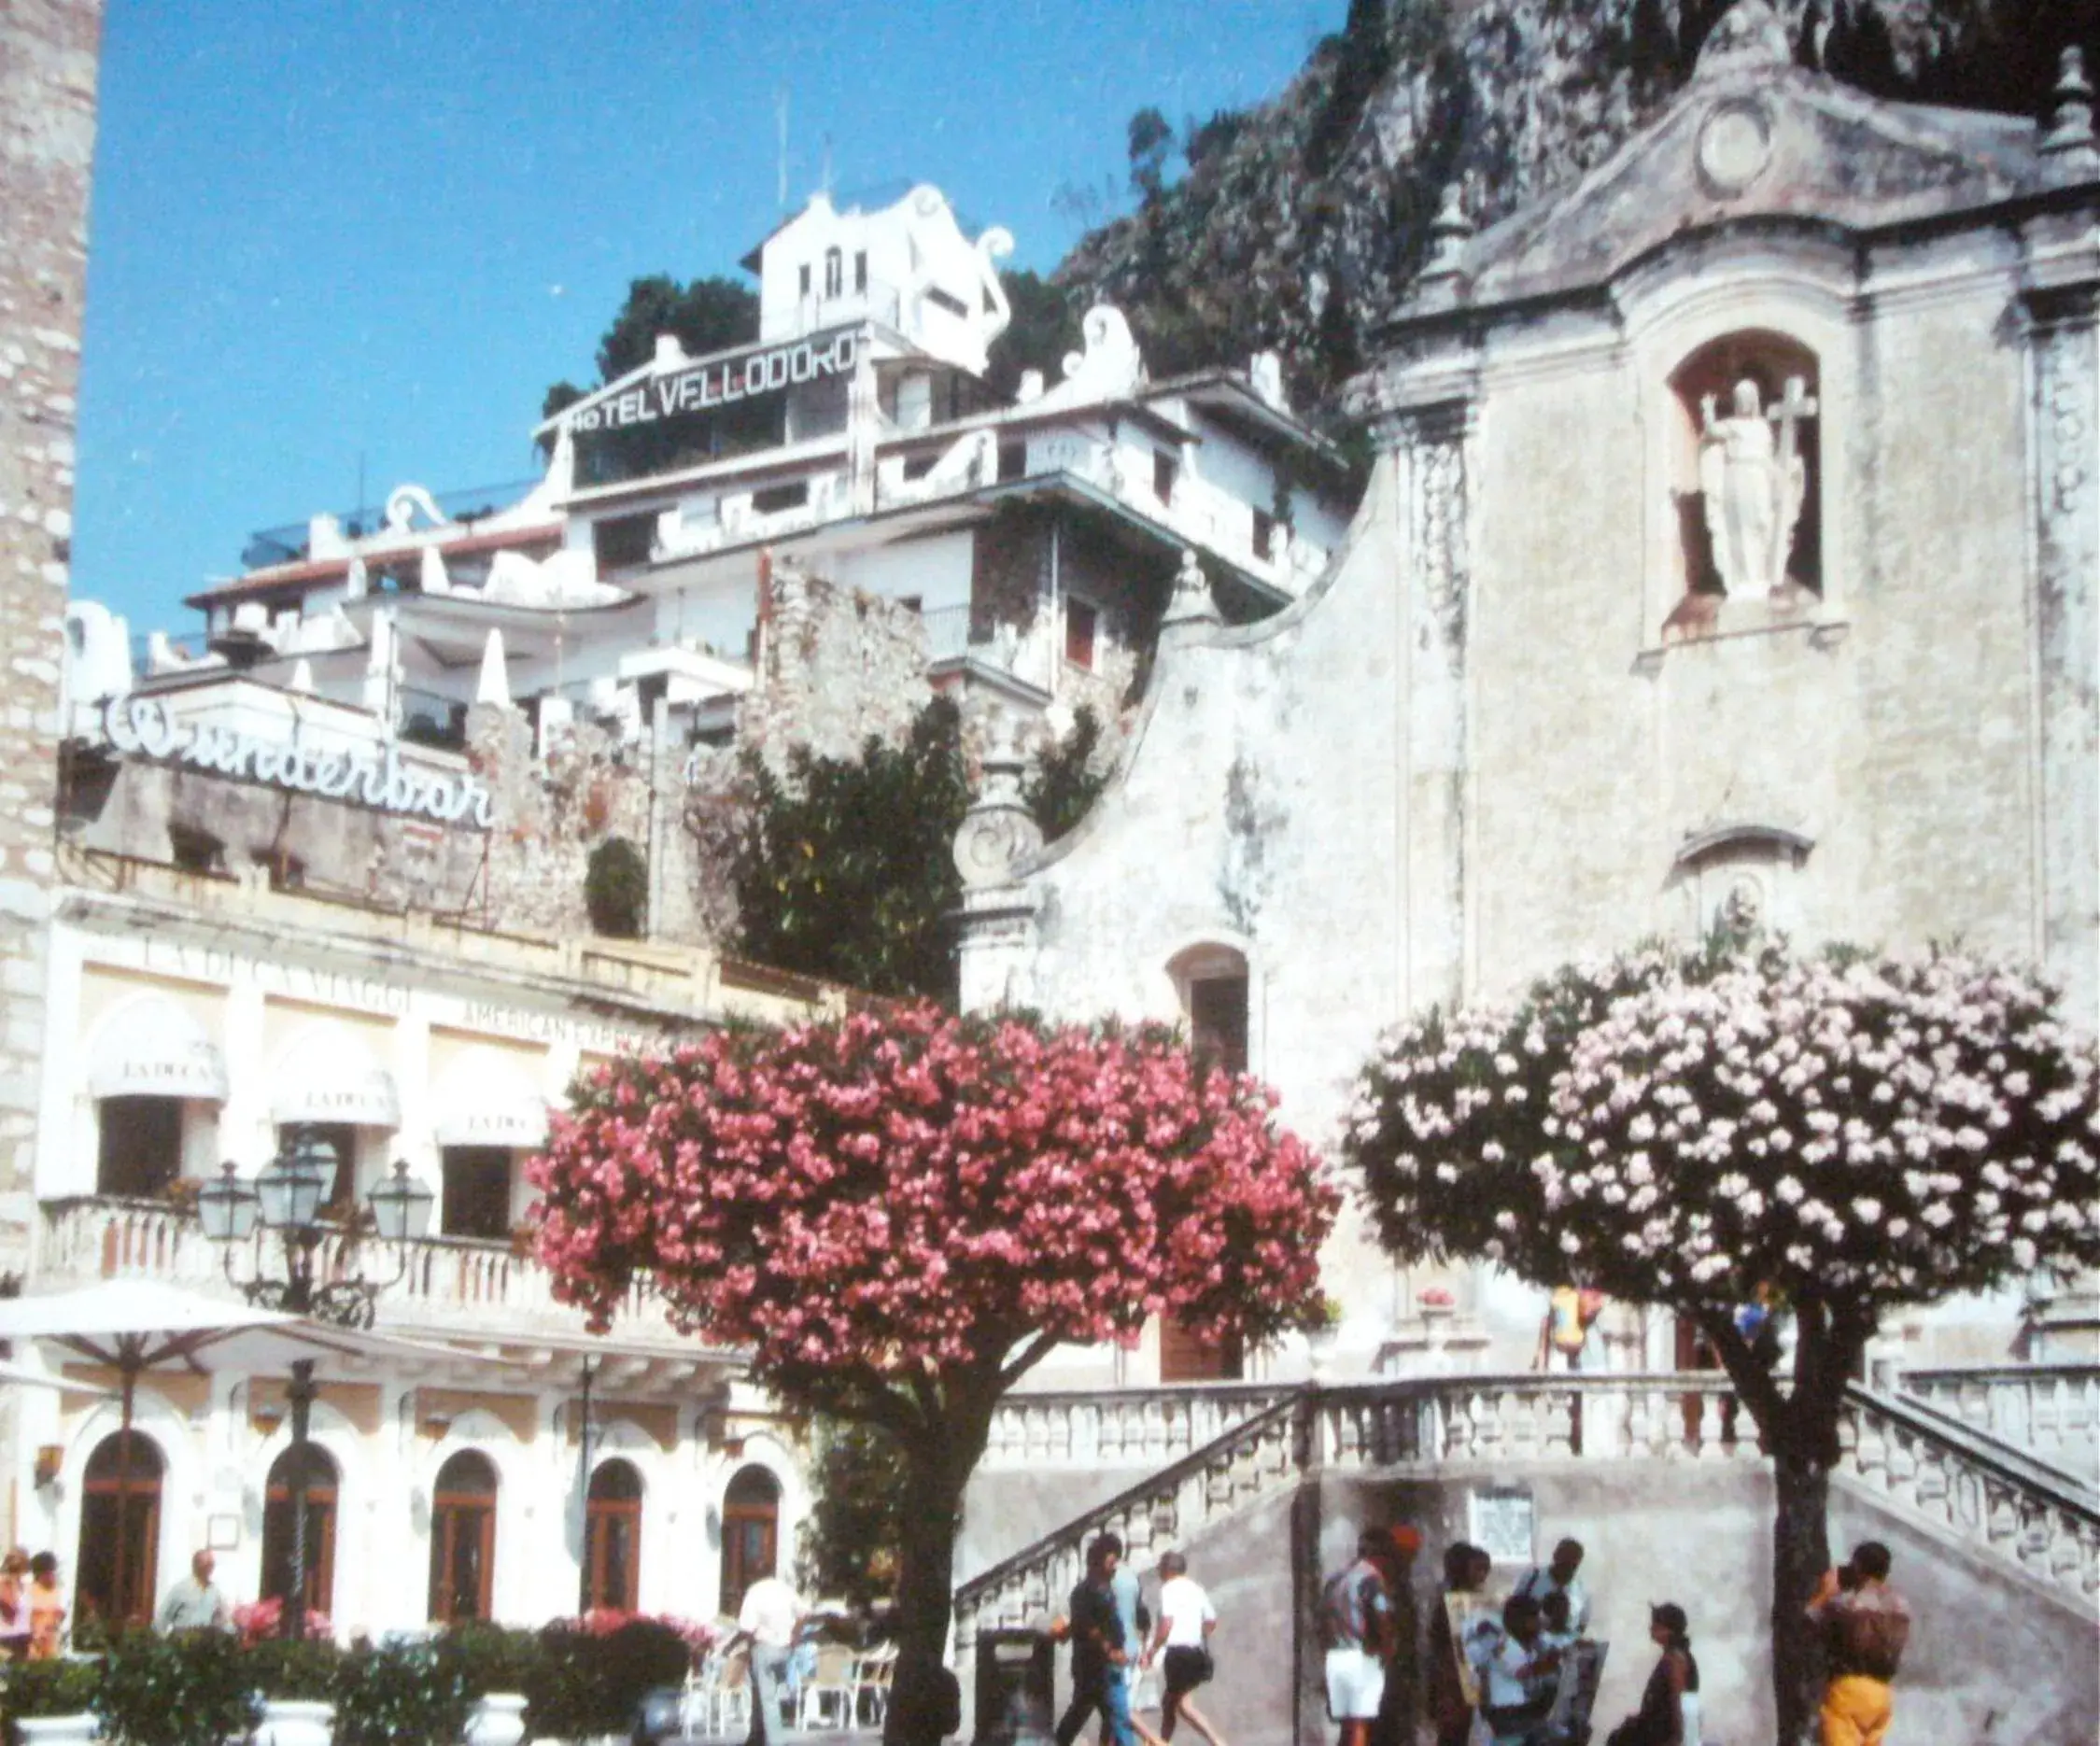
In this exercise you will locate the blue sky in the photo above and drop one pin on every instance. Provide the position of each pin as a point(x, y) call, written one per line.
point(325, 228)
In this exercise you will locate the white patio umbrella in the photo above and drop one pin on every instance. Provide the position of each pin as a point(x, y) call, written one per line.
point(16, 1375)
point(138, 1325)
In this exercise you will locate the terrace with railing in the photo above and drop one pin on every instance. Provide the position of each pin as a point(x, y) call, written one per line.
point(449, 1285)
point(288, 544)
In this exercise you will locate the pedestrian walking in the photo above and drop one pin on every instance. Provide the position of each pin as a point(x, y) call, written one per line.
point(1099, 1654)
point(1868, 1626)
point(1669, 1713)
point(1356, 1616)
point(768, 1619)
point(1182, 1641)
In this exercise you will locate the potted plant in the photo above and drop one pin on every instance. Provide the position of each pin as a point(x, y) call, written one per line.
point(296, 1684)
point(594, 1672)
point(399, 1694)
point(191, 1689)
point(51, 1703)
point(497, 1665)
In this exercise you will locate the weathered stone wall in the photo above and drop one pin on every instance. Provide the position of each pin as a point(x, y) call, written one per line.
point(48, 53)
point(835, 666)
point(550, 814)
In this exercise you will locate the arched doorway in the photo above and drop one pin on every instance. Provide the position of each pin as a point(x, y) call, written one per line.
point(462, 1539)
point(117, 1566)
point(321, 1528)
point(612, 1537)
point(751, 1531)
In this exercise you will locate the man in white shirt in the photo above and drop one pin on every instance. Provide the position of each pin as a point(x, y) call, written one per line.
point(1560, 1578)
point(767, 1618)
point(1187, 1619)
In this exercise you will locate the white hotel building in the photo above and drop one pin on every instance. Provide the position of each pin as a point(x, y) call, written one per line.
point(225, 966)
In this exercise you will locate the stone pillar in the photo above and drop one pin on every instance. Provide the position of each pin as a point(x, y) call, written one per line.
point(2064, 444)
point(49, 51)
point(1430, 447)
point(997, 920)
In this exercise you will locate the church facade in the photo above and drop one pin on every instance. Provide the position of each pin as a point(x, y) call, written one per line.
point(1729, 561)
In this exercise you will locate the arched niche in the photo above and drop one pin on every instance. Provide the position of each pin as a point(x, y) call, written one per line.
point(1745, 468)
point(1739, 880)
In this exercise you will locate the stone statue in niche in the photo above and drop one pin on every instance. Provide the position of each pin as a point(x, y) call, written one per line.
point(1754, 481)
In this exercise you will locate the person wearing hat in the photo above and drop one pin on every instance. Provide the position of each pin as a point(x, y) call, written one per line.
point(1670, 1701)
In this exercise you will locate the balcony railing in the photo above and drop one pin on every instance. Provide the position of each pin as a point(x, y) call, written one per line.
point(451, 1285)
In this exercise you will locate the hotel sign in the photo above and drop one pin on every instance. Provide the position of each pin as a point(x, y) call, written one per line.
point(699, 388)
point(143, 727)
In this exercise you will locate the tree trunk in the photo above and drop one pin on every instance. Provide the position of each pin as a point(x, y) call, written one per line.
point(1800, 1554)
point(923, 1702)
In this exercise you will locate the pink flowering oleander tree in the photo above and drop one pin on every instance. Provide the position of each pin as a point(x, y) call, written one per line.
point(1852, 1134)
point(899, 1213)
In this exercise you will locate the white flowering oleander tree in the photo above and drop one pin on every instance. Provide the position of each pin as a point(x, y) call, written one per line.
point(1851, 1133)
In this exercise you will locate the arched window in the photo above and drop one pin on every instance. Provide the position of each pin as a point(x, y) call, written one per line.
point(1746, 472)
point(750, 1528)
point(462, 1539)
point(1212, 983)
point(321, 1528)
point(612, 1537)
point(119, 1530)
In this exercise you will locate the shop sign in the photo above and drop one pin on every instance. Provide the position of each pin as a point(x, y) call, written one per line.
point(143, 727)
point(699, 387)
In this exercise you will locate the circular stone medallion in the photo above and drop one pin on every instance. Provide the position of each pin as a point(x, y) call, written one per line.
point(1734, 145)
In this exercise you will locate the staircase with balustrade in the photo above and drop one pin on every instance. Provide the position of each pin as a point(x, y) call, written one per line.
point(1935, 1466)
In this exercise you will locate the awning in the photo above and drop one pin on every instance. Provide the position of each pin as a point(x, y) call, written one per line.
point(154, 1047)
point(328, 1074)
point(487, 1097)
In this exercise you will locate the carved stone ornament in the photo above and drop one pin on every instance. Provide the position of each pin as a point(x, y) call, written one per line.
point(1748, 38)
point(1735, 146)
point(1192, 602)
point(998, 832)
point(991, 843)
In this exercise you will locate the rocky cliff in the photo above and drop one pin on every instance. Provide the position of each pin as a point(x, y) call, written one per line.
point(1296, 225)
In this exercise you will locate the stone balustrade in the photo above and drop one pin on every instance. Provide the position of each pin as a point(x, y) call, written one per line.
point(1151, 1427)
point(2050, 1411)
point(2008, 1506)
point(1253, 1457)
point(1990, 1497)
point(451, 1285)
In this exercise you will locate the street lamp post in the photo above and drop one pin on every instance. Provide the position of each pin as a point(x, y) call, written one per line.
point(287, 1198)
